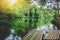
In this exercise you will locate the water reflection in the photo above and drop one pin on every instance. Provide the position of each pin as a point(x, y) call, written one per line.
point(13, 36)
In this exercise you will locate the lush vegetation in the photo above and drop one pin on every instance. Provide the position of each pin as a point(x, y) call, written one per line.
point(28, 18)
point(35, 17)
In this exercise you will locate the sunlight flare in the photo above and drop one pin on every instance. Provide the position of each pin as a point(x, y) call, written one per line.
point(12, 2)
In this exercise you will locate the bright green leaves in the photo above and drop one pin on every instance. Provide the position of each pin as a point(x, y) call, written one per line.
point(33, 18)
point(45, 16)
point(19, 23)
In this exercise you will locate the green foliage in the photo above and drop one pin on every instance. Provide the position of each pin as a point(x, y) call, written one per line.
point(45, 16)
point(24, 19)
point(18, 24)
point(29, 19)
point(33, 18)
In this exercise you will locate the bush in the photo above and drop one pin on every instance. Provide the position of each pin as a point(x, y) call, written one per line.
point(32, 18)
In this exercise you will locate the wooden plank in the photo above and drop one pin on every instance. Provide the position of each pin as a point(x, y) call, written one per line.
point(53, 35)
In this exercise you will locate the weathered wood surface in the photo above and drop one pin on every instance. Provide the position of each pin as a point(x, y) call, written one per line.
point(54, 35)
point(38, 35)
point(33, 35)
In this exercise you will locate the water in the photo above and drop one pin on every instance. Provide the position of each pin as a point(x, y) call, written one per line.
point(13, 36)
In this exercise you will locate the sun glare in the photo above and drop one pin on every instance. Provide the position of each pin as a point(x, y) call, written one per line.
point(12, 2)
point(12, 5)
